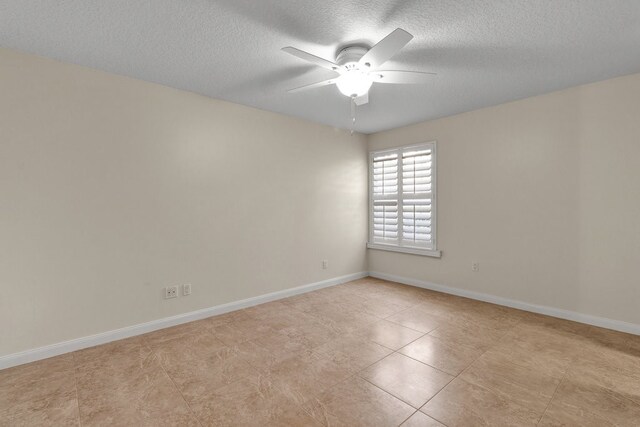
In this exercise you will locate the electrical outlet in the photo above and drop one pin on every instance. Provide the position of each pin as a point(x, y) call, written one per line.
point(186, 289)
point(325, 264)
point(475, 266)
point(170, 292)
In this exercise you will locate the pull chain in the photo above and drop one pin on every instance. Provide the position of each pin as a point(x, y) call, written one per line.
point(353, 114)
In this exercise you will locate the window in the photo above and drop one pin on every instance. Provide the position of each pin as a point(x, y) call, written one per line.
point(402, 203)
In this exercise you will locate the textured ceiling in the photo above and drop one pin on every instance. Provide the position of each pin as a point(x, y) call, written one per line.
point(485, 52)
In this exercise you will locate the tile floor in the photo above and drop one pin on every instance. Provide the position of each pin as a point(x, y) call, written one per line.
point(368, 352)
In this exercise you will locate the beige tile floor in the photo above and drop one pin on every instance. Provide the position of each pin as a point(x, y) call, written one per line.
point(369, 352)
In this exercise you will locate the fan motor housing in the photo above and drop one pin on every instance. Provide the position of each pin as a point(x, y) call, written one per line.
point(350, 55)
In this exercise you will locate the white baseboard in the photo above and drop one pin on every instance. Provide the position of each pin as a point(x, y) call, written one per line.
point(603, 322)
point(143, 328)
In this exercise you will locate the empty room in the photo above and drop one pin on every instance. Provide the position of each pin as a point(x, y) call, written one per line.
point(320, 213)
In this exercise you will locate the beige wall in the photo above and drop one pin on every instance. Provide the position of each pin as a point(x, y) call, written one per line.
point(112, 188)
point(544, 193)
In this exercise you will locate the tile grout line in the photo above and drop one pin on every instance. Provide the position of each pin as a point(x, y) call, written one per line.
point(400, 399)
point(444, 343)
point(256, 370)
point(564, 376)
point(174, 384)
point(396, 397)
point(356, 374)
point(403, 346)
point(464, 370)
point(441, 422)
point(431, 416)
point(420, 361)
point(488, 349)
point(500, 340)
point(262, 373)
point(552, 396)
point(454, 377)
point(406, 419)
point(404, 401)
point(182, 396)
point(75, 382)
point(300, 405)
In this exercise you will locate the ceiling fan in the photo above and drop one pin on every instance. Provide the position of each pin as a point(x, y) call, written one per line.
point(359, 67)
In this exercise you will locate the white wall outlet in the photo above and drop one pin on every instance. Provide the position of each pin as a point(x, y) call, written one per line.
point(475, 266)
point(170, 292)
point(325, 264)
point(186, 289)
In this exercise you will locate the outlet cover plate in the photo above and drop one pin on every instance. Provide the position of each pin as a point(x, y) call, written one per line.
point(170, 292)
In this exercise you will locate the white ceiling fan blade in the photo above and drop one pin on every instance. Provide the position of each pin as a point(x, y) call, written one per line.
point(313, 85)
point(402, 77)
point(312, 58)
point(386, 48)
point(362, 99)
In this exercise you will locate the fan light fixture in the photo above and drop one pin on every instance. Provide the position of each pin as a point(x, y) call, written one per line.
point(359, 67)
point(354, 83)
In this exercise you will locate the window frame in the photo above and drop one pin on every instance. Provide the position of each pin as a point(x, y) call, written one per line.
point(399, 247)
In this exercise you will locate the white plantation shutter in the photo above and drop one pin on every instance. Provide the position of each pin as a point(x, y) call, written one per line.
point(402, 197)
point(385, 204)
point(417, 168)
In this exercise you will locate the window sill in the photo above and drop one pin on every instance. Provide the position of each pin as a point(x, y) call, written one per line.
point(412, 251)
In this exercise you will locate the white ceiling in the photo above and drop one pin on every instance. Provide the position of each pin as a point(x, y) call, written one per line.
point(485, 52)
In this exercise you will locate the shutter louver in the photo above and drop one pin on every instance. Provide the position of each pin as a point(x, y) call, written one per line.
point(385, 220)
point(385, 174)
point(416, 172)
point(416, 222)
